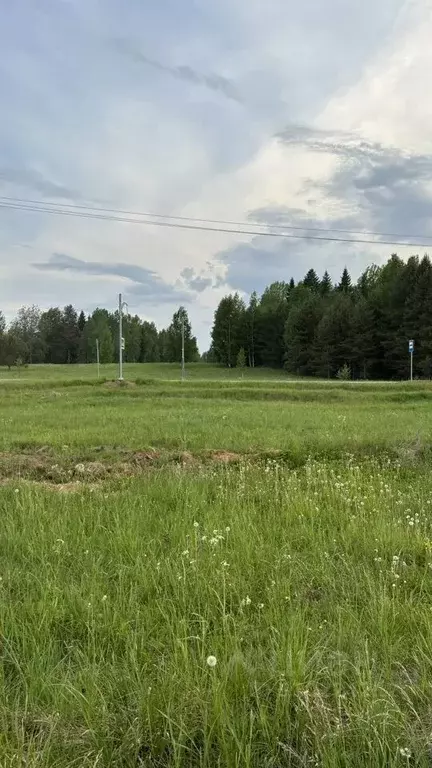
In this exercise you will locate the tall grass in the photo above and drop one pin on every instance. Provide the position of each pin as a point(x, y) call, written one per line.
point(312, 590)
point(305, 570)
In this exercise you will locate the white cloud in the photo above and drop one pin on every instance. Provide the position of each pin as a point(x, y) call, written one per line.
point(158, 131)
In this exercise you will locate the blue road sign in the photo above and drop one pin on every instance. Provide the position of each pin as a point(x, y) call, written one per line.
point(411, 346)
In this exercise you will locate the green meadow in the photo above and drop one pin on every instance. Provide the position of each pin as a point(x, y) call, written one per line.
point(222, 572)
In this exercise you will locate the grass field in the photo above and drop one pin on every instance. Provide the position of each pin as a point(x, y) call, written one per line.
point(132, 371)
point(280, 529)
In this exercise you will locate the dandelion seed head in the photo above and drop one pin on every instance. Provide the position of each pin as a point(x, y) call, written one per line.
point(211, 661)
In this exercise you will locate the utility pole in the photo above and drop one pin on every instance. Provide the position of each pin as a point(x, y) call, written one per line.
point(97, 357)
point(183, 349)
point(122, 305)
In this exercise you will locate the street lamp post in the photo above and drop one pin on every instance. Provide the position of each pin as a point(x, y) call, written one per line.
point(122, 306)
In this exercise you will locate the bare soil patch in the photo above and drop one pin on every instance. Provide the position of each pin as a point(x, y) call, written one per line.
point(70, 472)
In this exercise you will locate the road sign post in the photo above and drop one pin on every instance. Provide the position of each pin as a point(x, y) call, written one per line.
point(411, 354)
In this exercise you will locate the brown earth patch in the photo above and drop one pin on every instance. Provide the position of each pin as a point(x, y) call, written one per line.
point(119, 384)
point(225, 457)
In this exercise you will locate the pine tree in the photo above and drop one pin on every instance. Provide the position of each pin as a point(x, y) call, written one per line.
point(300, 328)
point(312, 281)
point(400, 318)
point(81, 321)
point(345, 283)
point(423, 356)
point(333, 347)
point(365, 351)
point(326, 285)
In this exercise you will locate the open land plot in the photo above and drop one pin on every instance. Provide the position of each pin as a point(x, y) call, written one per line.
point(281, 531)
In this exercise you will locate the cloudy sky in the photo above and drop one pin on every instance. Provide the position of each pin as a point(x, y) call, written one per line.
point(312, 114)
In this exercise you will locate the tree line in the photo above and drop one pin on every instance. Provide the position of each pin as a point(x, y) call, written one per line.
point(62, 336)
point(310, 328)
point(318, 328)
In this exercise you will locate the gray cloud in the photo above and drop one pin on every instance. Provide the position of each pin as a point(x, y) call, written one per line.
point(340, 143)
point(146, 283)
point(195, 282)
point(33, 179)
point(252, 266)
point(377, 188)
point(387, 188)
point(212, 81)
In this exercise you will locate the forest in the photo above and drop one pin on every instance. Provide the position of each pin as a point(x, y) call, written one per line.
point(311, 328)
point(316, 328)
point(64, 336)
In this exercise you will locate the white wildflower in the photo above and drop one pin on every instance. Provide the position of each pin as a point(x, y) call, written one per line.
point(405, 752)
point(211, 661)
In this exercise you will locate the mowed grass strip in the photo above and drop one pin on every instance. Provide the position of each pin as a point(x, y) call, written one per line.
point(294, 420)
point(312, 590)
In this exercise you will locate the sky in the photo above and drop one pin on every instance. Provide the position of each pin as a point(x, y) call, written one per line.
point(313, 114)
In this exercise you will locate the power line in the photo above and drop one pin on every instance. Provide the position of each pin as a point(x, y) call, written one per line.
point(83, 214)
point(123, 212)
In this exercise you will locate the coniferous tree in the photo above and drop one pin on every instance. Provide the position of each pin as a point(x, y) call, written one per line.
point(71, 334)
point(312, 281)
point(251, 328)
point(345, 283)
point(272, 316)
point(300, 329)
point(326, 285)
